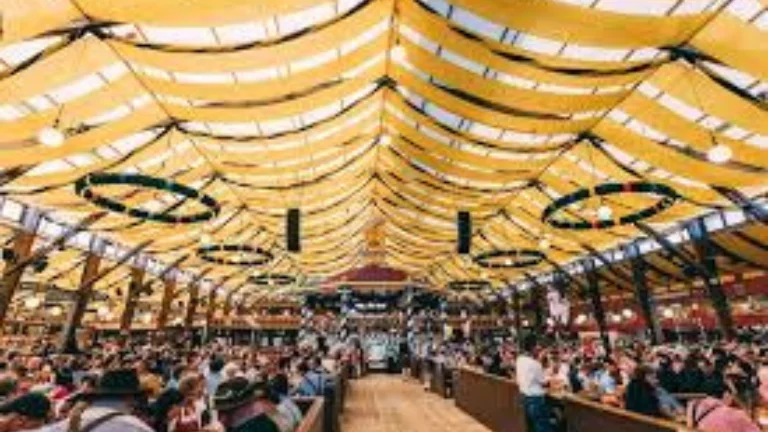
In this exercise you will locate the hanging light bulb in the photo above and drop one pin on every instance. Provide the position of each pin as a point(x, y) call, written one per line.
point(386, 140)
point(508, 262)
point(56, 311)
point(628, 314)
point(581, 319)
point(31, 302)
point(719, 154)
point(206, 239)
point(102, 311)
point(544, 244)
point(50, 136)
point(398, 53)
point(604, 212)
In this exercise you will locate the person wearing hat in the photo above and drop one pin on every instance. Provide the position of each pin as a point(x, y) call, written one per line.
point(243, 406)
point(112, 406)
point(25, 413)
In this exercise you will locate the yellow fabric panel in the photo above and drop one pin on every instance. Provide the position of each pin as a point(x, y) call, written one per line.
point(191, 13)
point(446, 204)
point(24, 19)
point(447, 167)
point(319, 191)
point(278, 110)
point(74, 113)
point(672, 161)
point(466, 157)
point(306, 163)
point(502, 93)
point(299, 48)
point(265, 90)
point(697, 137)
point(579, 25)
point(757, 232)
point(388, 163)
point(438, 30)
point(736, 43)
point(145, 117)
point(300, 152)
point(699, 91)
point(745, 249)
point(79, 59)
point(474, 112)
point(401, 105)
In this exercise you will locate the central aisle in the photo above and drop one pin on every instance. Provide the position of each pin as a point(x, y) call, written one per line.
point(387, 403)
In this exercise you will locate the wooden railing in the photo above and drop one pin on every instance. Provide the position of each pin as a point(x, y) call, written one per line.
point(497, 403)
point(313, 410)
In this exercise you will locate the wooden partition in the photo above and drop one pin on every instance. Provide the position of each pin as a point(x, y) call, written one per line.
point(313, 410)
point(493, 401)
point(582, 415)
point(496, 403)
point(442, 379)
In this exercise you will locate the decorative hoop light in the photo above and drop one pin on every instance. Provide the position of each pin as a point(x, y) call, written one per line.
point(468, 285)
point(255, 256)
point(508, 259)
point(272, 279)
point(667, 197)
point(84, 186)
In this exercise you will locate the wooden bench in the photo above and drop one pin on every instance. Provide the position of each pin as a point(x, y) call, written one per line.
point(582, 415)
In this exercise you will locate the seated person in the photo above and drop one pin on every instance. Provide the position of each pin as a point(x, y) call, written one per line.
point(722, 412)
point(243, 406)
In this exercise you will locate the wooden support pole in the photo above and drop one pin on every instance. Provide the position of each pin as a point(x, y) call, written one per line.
point(82, 298)
point(135, 287)
point(189, 318)
point(643, 294)
point(707, 255)
point(518, 316)
point(169, 288)
point(12, 273)
point(593, 290)
point(209, 312)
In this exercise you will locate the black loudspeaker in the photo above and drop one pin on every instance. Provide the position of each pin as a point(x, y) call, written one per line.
point(464, 226)
point(293, 230)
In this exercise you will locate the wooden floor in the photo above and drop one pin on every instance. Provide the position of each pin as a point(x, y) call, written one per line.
point(388, 403)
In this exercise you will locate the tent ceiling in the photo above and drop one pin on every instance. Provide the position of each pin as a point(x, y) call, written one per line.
point(386, 115)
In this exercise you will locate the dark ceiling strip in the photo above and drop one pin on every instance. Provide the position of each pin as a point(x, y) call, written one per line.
point(307, 92)
point(735, 256)
point(751, 240)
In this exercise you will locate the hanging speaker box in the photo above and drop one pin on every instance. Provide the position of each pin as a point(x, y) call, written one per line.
point(293, 230)
point(464, 227)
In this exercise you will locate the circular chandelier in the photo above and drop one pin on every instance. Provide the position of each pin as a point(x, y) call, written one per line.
point(509, 258)
point(272, 279)
point(84, 188)
point(468, 285)
point(234, 254)
point(553, 216)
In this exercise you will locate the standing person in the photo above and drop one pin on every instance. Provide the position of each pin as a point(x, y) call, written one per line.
point(531, 383)
point(25, 413)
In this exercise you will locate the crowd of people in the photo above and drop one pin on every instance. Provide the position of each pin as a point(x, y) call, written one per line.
point(713, 387)
point(126, 386)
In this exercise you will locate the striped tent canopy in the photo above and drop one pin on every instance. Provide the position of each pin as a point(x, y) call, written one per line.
point(385, 115)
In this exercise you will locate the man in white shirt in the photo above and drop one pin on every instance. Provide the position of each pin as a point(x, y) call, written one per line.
point(531, 383)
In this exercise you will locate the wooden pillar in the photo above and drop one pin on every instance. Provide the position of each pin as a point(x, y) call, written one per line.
point(82, 298)
point(707, 254)
point(537, 297)
point(169, 291)
point(189, 318)
point(22, 248)
point(643, 294)
point(593, 290)
point(518, 316)
point(136, 285)
point(209, 314)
